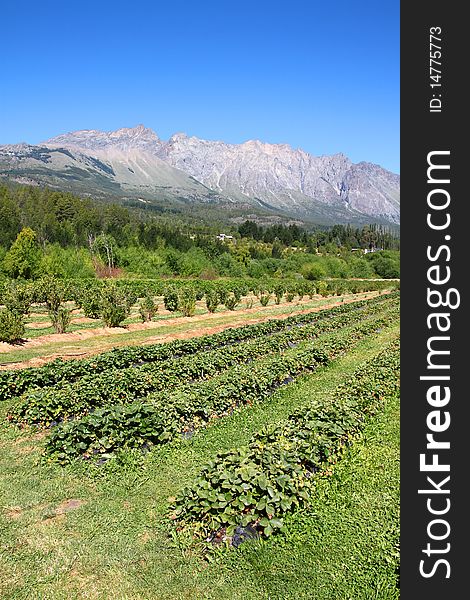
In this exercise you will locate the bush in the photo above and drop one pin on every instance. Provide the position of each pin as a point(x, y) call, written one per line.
point(171, 300)
point(115, 306)
point(249, 303)
point(18, 298)
point(313, 272)
point(290, 296)
point(323, 289)
point(11, 326)
point(212, 301)
point(278, 293)
point(187, 302)
point(231, 302)
point(61, 319)
point(53, 292)
point(222, 294)
point(89, 300)
point(264, 299)
point(148, 308)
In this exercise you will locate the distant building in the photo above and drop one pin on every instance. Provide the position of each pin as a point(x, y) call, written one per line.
point(223, 237)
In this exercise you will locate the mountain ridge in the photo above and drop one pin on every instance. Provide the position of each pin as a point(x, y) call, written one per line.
point(133, 162)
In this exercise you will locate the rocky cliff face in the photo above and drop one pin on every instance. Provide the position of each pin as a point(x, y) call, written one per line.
point(275, 176)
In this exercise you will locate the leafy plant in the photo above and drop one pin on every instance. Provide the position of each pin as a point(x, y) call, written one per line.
point(18, 298)
point(264, 299)
point(17, 381)
point(60, 319)
point(278, 293)
point(115, 306)
point(212, 300)
point(11, 326)
point(187, 302)
point(171, 300)
point(90, 301)
point(231, 302)
point(148, 308)
point(256, 485)
point(54, 293)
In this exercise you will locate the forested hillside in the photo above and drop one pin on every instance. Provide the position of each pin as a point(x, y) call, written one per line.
point(43, 231)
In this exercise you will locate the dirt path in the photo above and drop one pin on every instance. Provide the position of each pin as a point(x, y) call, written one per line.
point(111, 334)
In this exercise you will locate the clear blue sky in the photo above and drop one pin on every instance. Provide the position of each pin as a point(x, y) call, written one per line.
point(323, 76)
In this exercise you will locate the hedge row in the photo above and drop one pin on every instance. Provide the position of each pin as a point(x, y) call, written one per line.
point(74, 289)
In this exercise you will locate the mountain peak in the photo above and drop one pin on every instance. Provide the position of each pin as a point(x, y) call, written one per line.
point(137, 131)
point(125, 138)
point(283, 178)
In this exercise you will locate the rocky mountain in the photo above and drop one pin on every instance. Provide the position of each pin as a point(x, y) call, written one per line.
point(136, 163)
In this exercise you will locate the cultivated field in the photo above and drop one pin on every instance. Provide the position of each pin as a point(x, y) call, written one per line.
point(243, 454)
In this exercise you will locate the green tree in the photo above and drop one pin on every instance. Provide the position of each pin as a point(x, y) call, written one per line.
point(9, 219)
point(23, 258)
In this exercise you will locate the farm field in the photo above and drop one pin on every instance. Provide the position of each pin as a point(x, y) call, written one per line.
point(112, 465)
point(87, 336)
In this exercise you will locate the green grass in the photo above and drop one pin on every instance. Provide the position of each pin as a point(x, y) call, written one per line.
point(117, 543)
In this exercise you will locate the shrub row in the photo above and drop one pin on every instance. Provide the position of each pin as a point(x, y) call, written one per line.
point(14, 383)
point(167, 414)
point(125, 385)
point(76, 289)
point(247, 491)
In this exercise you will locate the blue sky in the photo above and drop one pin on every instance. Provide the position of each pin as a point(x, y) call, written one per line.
point(322, 76)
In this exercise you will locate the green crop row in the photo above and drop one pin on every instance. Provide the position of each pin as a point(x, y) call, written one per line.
point(247, 491)
point(14, 383)
point(167, 414)
point(74, 289)
point(123, 386)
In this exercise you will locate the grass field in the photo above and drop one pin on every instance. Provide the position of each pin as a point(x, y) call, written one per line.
point(84, 531)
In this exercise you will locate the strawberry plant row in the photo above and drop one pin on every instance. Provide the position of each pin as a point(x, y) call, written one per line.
point(14, 383)
point(166, 415)
point(126, 385)
point(247, 491)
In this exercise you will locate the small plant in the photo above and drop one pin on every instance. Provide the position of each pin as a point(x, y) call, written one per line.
point(11, 326)
point(115, 306)
point(323, 289)
point(18, 298)
point(290, 296)
point(264, 299)
point(249, 303)
point(278, 293)
point(212, 301)
point(53, 292)
point(148, 308)
point(61, 319)
point(171, 300)
point(90, 302)
point(231, 302)
point(187, 302)
point(222, 294)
